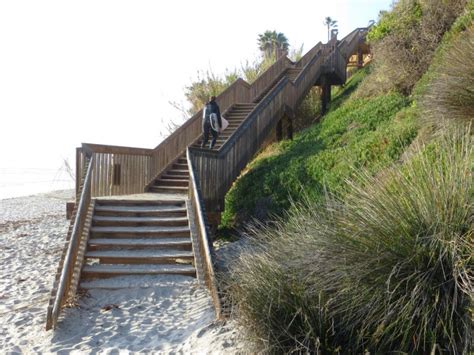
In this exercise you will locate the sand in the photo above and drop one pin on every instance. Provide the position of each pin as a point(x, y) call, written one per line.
point(162, 314)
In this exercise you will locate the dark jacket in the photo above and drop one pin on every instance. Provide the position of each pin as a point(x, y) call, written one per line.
point(214, 108)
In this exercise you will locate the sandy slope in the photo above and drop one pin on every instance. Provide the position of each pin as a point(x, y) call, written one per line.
point(170, 314)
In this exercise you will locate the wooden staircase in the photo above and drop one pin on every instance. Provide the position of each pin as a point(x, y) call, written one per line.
point(175, 179)
point(139, 237)
point(235, 115)
point(151, 234)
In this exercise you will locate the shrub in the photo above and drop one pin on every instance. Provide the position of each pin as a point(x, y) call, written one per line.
point(208, 83)
point(388, 268)
point(404, 42)
point(450, 93)
point(309, 110)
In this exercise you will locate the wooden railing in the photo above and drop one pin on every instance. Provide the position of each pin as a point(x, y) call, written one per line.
point(204, 242)
point(78, 230)
point(351, 42)
point(117, 170)
point(269, 76)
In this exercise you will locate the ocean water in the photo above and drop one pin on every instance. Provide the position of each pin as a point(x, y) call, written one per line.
point(16, 182)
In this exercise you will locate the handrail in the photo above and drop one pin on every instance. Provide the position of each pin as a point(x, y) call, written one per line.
point(203, 240)
point(67, 268)
point(177, 142)
point(115, 149)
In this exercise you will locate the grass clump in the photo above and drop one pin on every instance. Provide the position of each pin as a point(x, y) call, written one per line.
point(362, 133)
point(450, 94)
point(390, 267)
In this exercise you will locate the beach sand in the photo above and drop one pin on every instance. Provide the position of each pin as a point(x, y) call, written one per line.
point(165, 314)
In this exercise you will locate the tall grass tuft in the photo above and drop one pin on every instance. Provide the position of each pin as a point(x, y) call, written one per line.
point(450, 95)
point(389, 268)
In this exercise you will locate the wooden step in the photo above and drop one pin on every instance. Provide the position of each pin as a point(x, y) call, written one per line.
point(135, 243)
point(119, 202)
point(168, 189)
point(139, 221)
point(140, 211)
point(172, 182)
point(180, 166)
point(178, 172)
point(168, 176)
point(139, 232)
point(158, 256)
point(247, 105)
point(103, 271)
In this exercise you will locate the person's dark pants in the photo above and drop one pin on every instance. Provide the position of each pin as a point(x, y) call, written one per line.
point(206, 129)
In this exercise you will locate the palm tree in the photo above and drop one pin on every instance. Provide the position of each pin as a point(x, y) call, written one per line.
point(330, 23)
point(272, 43)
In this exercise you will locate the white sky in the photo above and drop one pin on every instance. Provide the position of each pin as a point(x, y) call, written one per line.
point(104, 71)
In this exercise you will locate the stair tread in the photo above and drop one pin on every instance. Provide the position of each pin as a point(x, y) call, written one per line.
point(138, 230)
point(138, 219)
point(172, 180)
point(178, 171)
point(167, 187)
point(138, 268)
point(140, 242)
point(145, 254)
point(140, 209)
point(104, 202)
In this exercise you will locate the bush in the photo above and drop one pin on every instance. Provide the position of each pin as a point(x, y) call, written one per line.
point(404, 42)
point(388, 268)
point(450, 93)
point(208, 83)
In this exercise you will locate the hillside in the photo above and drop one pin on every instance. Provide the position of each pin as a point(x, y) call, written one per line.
point(366, 132)
point(367, 241)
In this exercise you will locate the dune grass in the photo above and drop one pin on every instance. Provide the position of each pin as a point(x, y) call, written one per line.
point(450, 95)
point(387, 268)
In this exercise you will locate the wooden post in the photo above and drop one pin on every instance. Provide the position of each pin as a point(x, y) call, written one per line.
point(325, 94)
point(360, 58)
point(279, 130)
point(214, 219)
point(289, 131)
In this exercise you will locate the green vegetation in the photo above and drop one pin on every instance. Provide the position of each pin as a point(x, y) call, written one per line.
point(405, 40)
point(360, 133)
point(371, 243)
point(450, 93)
point(271, 43)
point(387, 268)
point(330, 24)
